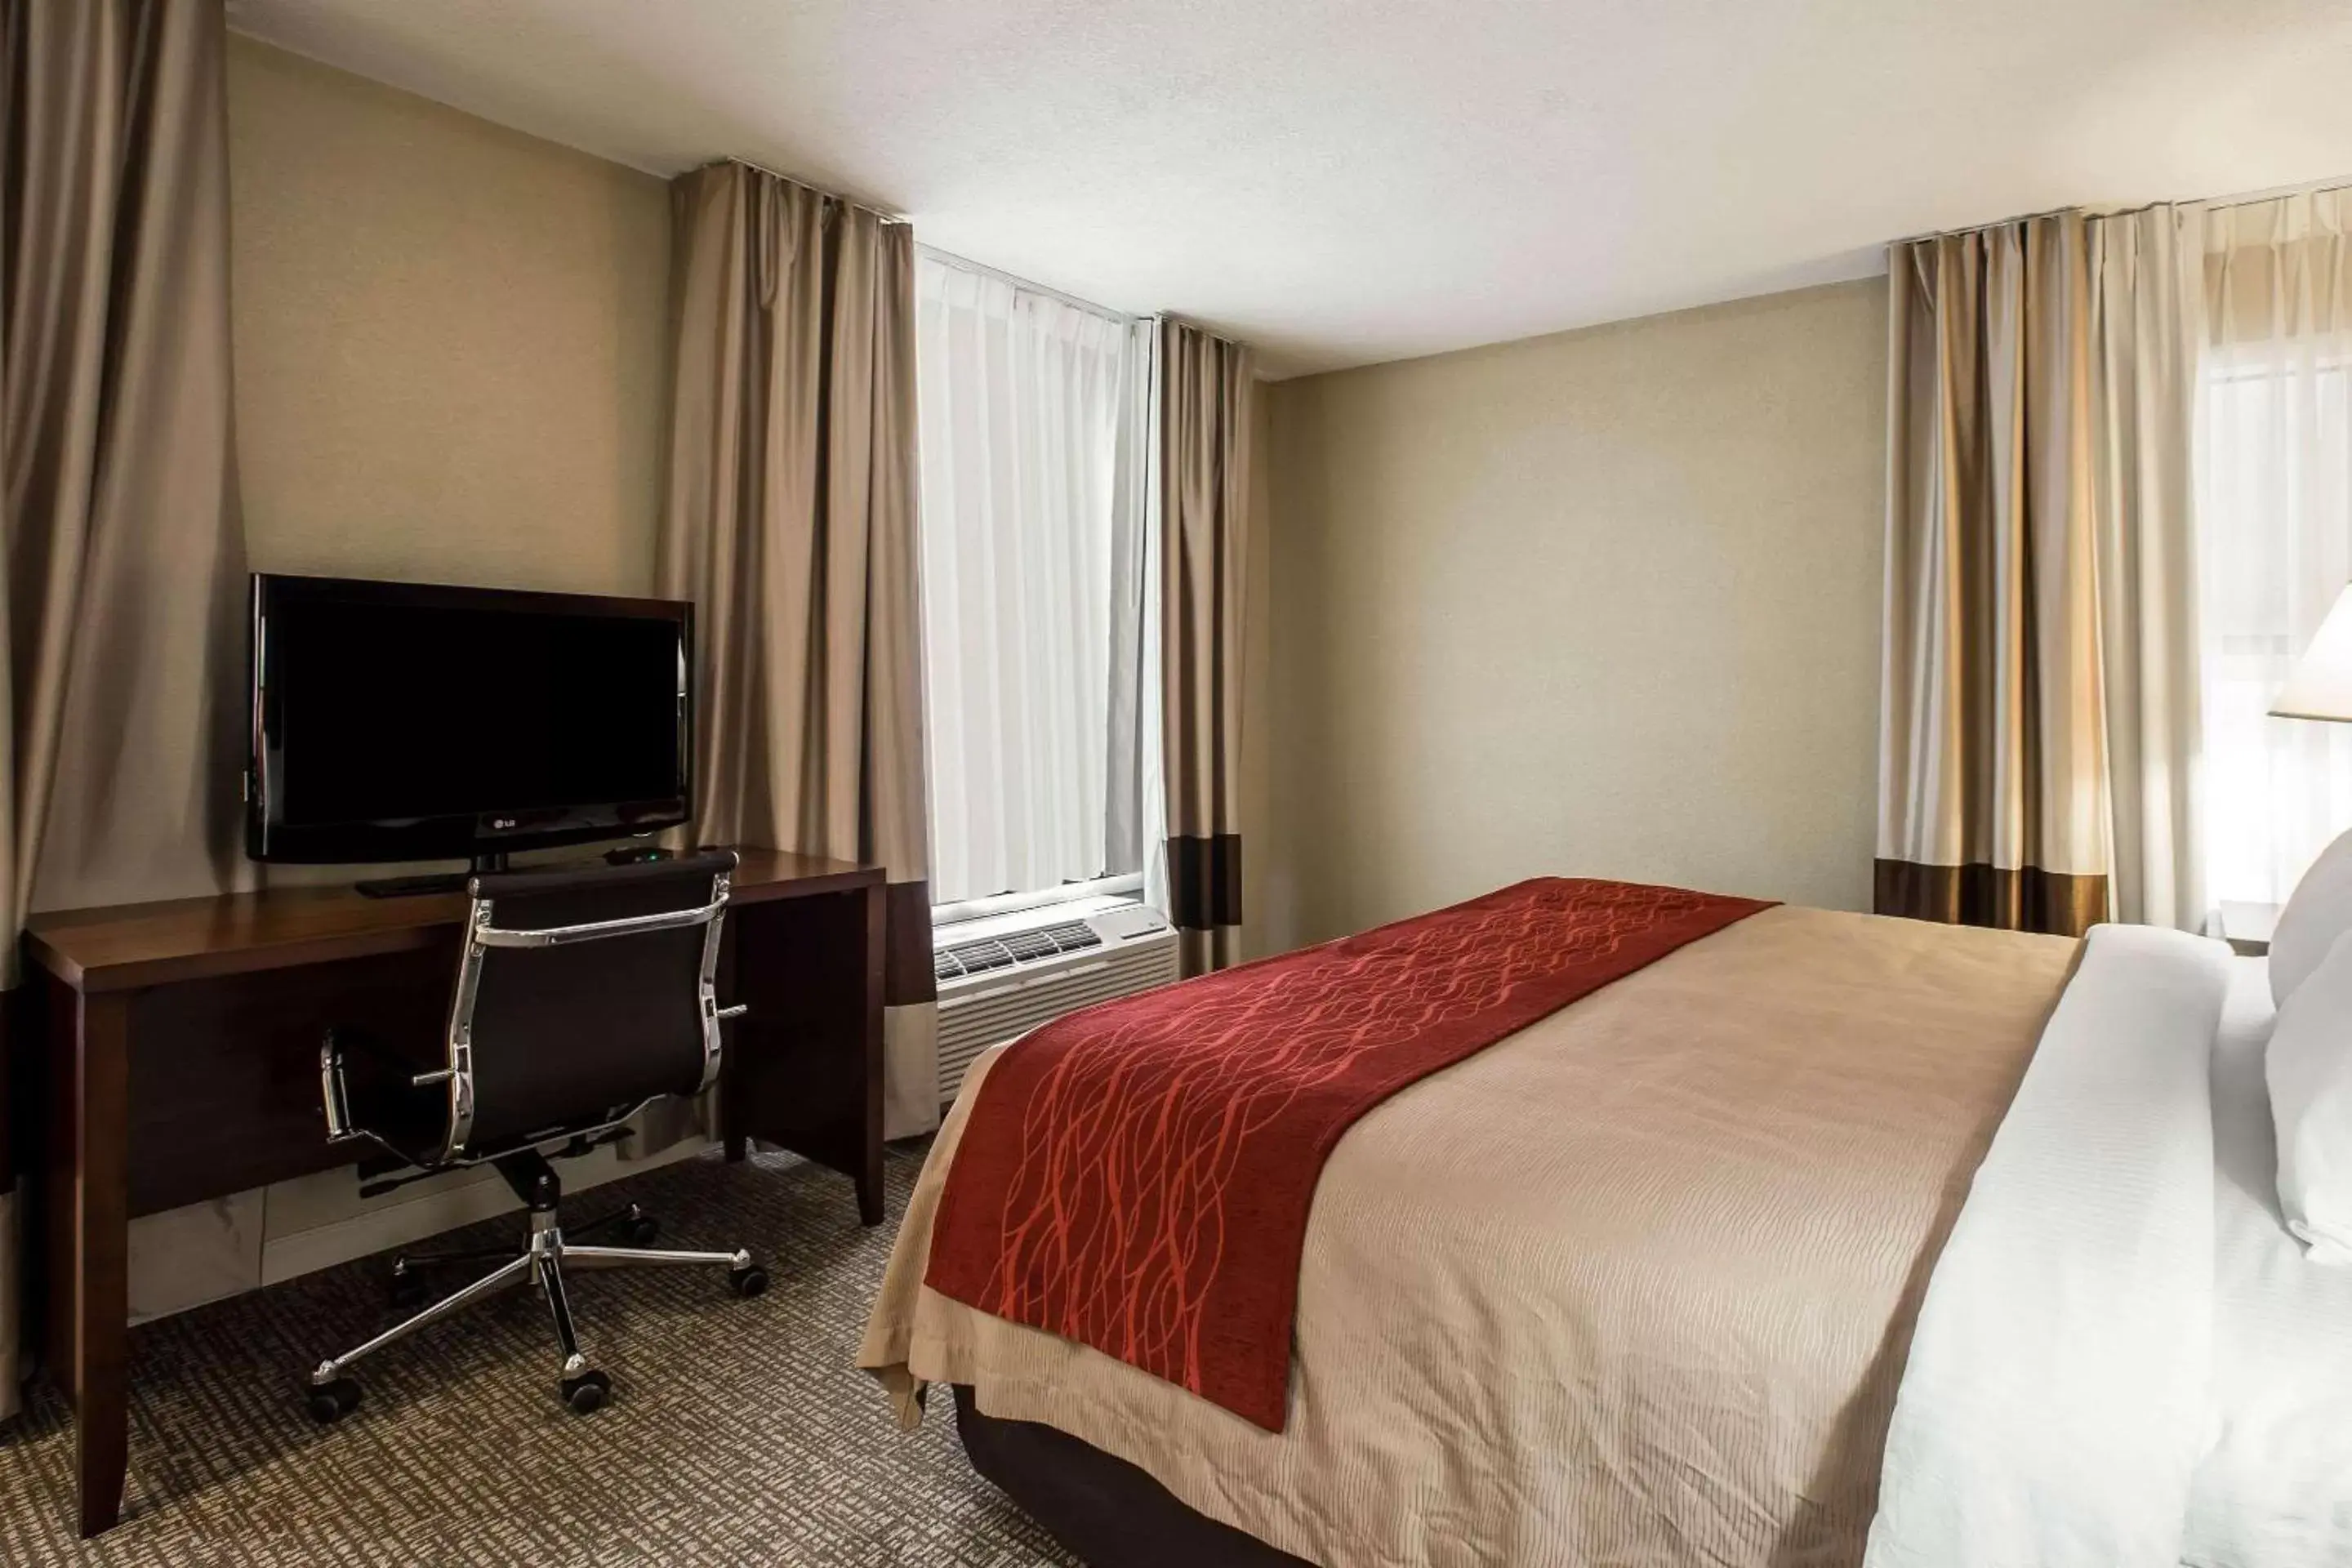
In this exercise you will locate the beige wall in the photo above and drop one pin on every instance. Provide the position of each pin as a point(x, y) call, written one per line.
point(448, 338)
point(1600, 604)
point(1257, 823)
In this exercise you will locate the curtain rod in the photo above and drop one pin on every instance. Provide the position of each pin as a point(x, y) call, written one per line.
point(949, 257)
point(1150, 318)
point(2277, 193)
point(965, 262)
point(884, 214)
point(2211, 205)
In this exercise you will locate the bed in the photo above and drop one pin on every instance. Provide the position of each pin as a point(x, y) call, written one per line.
point(1782, 1249)
point(2275, 1488)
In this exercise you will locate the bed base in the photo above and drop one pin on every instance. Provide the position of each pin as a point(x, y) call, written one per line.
point(1108, 1511)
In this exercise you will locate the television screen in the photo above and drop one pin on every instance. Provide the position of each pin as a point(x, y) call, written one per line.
point(402, 722)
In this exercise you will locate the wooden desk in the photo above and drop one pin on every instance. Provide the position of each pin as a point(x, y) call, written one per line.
point(182, 1064)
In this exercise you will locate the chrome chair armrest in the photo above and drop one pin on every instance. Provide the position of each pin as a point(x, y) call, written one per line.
point(335, 1094)
point(490, 935)
point(335, 1088)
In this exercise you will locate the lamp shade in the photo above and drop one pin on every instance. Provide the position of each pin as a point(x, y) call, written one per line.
point(2321, 685)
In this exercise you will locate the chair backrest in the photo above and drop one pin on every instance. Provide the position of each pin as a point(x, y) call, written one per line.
point(583, 992)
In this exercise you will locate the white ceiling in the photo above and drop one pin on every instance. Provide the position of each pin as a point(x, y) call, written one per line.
point(1343, 181)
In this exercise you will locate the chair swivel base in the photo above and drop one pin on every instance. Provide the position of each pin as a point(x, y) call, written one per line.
point(331, 1394)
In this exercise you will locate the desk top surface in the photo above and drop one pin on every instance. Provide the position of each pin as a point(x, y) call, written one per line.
point(124, 946)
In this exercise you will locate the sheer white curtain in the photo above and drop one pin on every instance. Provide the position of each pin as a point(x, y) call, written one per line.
point(1034, 415)
point(2274, 513)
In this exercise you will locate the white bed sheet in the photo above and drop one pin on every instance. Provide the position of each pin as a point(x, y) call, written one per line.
point(2275, 1490)
point(2052, 1409)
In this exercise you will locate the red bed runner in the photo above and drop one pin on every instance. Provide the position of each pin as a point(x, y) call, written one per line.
point(1137, 1177)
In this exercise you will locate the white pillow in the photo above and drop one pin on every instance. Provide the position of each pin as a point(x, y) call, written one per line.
point(2317, 912)
point(2309, 1065)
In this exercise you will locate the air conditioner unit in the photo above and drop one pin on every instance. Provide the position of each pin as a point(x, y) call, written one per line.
point(1000, 977)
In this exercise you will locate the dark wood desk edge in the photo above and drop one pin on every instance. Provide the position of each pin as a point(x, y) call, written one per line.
point(435, 914)
point(219, 964)
point(844, 881)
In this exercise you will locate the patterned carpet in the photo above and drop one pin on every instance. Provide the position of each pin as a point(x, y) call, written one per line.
point(738, 1431)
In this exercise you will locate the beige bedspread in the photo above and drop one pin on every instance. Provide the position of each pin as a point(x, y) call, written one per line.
point(1630, 1286)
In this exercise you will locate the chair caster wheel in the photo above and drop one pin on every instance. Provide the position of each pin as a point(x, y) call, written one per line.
point(640, 1230)
point(331, 1402)
point(748, 1280)
point(586, 1393)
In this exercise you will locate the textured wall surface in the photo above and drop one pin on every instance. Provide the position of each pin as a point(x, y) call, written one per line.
point(1602, 603)
point(448, 338)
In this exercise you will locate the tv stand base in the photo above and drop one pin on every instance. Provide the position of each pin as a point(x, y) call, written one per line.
point(433, 882)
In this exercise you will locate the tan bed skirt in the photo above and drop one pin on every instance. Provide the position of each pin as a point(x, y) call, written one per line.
point(1633, 1285)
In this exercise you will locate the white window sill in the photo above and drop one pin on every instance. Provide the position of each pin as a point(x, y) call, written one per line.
point(1013, 904)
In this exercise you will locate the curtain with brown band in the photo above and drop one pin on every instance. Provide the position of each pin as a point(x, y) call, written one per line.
point(123, 560)
point(2039, 722)
point(1205, 387)
point(789, 521)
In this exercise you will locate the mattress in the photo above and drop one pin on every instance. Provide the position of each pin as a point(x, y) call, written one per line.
point(1633, 1284)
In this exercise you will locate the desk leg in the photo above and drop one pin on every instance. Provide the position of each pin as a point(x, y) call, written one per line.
point(804, 1068)
point(99, 1244)
point(870, 1163)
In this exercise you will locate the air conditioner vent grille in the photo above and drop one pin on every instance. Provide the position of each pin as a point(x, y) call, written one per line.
point(985, 953)
point(1005, 1008)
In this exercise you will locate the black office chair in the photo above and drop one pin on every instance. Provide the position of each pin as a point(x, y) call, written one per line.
point(583, 994)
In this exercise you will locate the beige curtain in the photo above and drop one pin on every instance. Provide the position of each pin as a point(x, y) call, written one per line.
point(789, 521)
point(123, 560)
point(2039, 721)
point(2148, 334)
point(1205, 387)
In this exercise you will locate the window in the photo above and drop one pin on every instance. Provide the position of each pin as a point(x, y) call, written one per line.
point(2275, 512)
point(1034, 415)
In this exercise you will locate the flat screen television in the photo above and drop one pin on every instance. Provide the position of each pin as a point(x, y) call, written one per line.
point(409, 721)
